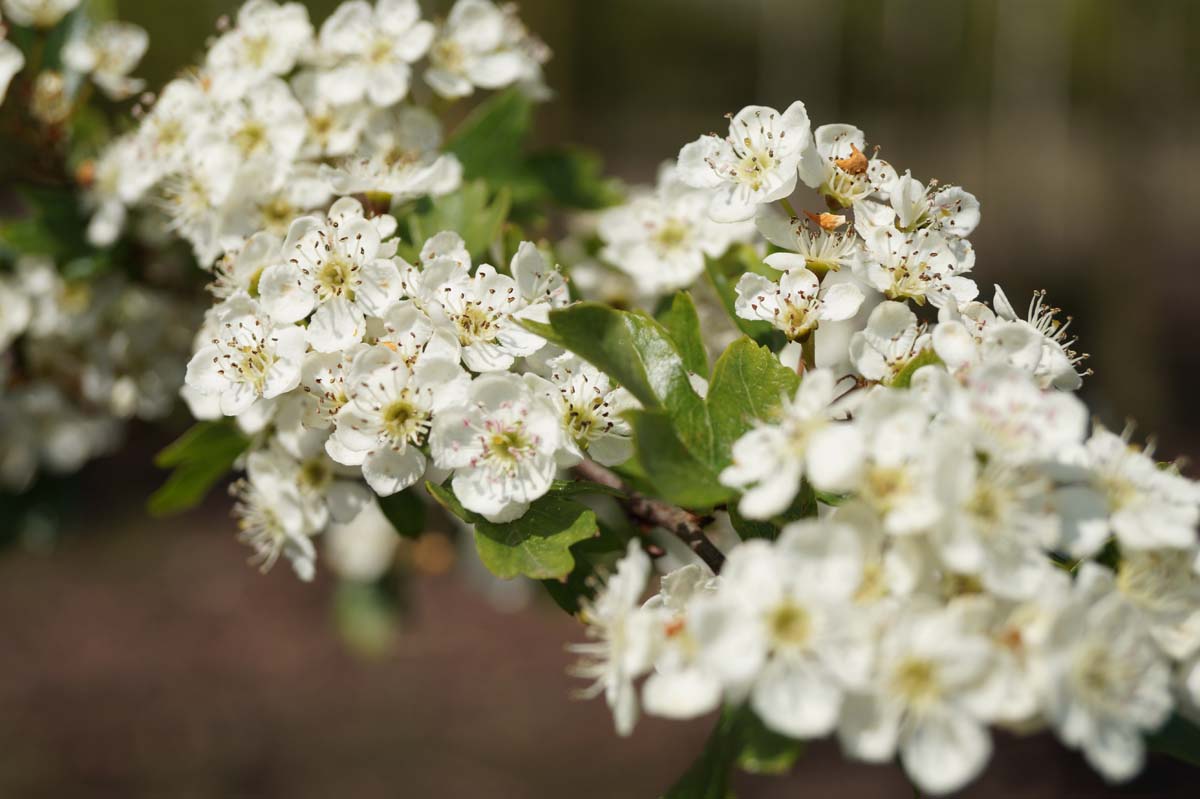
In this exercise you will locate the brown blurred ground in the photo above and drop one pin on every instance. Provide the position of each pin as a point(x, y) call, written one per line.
point(149, 662)
point(144, 659)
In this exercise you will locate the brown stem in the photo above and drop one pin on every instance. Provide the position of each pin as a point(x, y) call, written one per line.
point(683, 524)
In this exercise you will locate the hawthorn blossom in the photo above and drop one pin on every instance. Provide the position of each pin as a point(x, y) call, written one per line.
point(373, 49)
point(267, 41)
point(247, 358)
point(265, 126)
point(501, 445)
point(271, 520)
point(386, 419)
point(1149, 507)
point(928, 700)
point(835, 163)
point(661, 238)
point(797, 304)
point(995, 525)
point(916, 266)
point(622, 648)
point(1101, 680)
point(333, 129)
point(805, 441)
point(327, 492)
point(399, 154)
point(889, 342)
point(333, 271)
point(12, 61)
point(37, 13)
point(1165, 589)
point(175, 126)
point(755, 164)
point(108, 53)
point(819, 250)
point(687, 678)
point(591, 408)
point(1057, 363)
point(802, 637)
point(484, 312)
point(475, 47)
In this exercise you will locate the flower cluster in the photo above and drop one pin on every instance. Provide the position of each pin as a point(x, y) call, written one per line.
point(106, 53)
point(920, 538)
point(977, 555)
point(77, 359)
point(359, 366)
point(281, 116)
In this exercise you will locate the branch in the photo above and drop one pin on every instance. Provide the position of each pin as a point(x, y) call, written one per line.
point(683, 524)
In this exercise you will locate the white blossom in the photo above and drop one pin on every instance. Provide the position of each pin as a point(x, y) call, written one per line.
point(399, 154)
point(248, 358)
point(108, 53)
point(591, 408)
point(622, 630)
point(891, 339)
point(38, 13)
point(1101, 678)
point(755, 164)
point(372, 49)
point(927, 701)
point(12, 61)
point(661, 238)
point(835, 163)
point(501, 445)
point(333, 272)
point(475, 47)
point(385, 422)
point(806, 441)
point(797, 304)
point(267, 41)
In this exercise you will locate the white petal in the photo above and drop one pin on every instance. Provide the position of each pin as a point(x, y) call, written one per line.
point(337, 324)
point(942, 753)
point(682, 694)
point(841, 302)
point(388, 471)
point(796, 699)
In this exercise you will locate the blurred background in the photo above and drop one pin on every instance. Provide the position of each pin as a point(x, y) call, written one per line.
point(144, 659)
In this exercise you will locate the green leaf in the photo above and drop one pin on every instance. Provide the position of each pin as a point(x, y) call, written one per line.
point(723, 274)
point(708, 778)
point(830, 499)
point(200, 457)
point(593, 558)
point(366, 616)
point(677, 474)
point(405, 511)
point(751, 528)
point(490, 140)
point(633, 349)
point(470, 211)
point(575, 487)
point(1179, 738)
point(924, 358)
point(738, 738)
point(537, 545)
point(762, 751)
point(683, 325)
point(573, 178)
point(51, 225)
point(748, 385)
point(682, 441)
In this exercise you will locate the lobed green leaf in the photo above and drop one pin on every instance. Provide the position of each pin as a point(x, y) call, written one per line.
point(199, 459)
point(537, 545)
point(405, 511)
point(683, 325)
